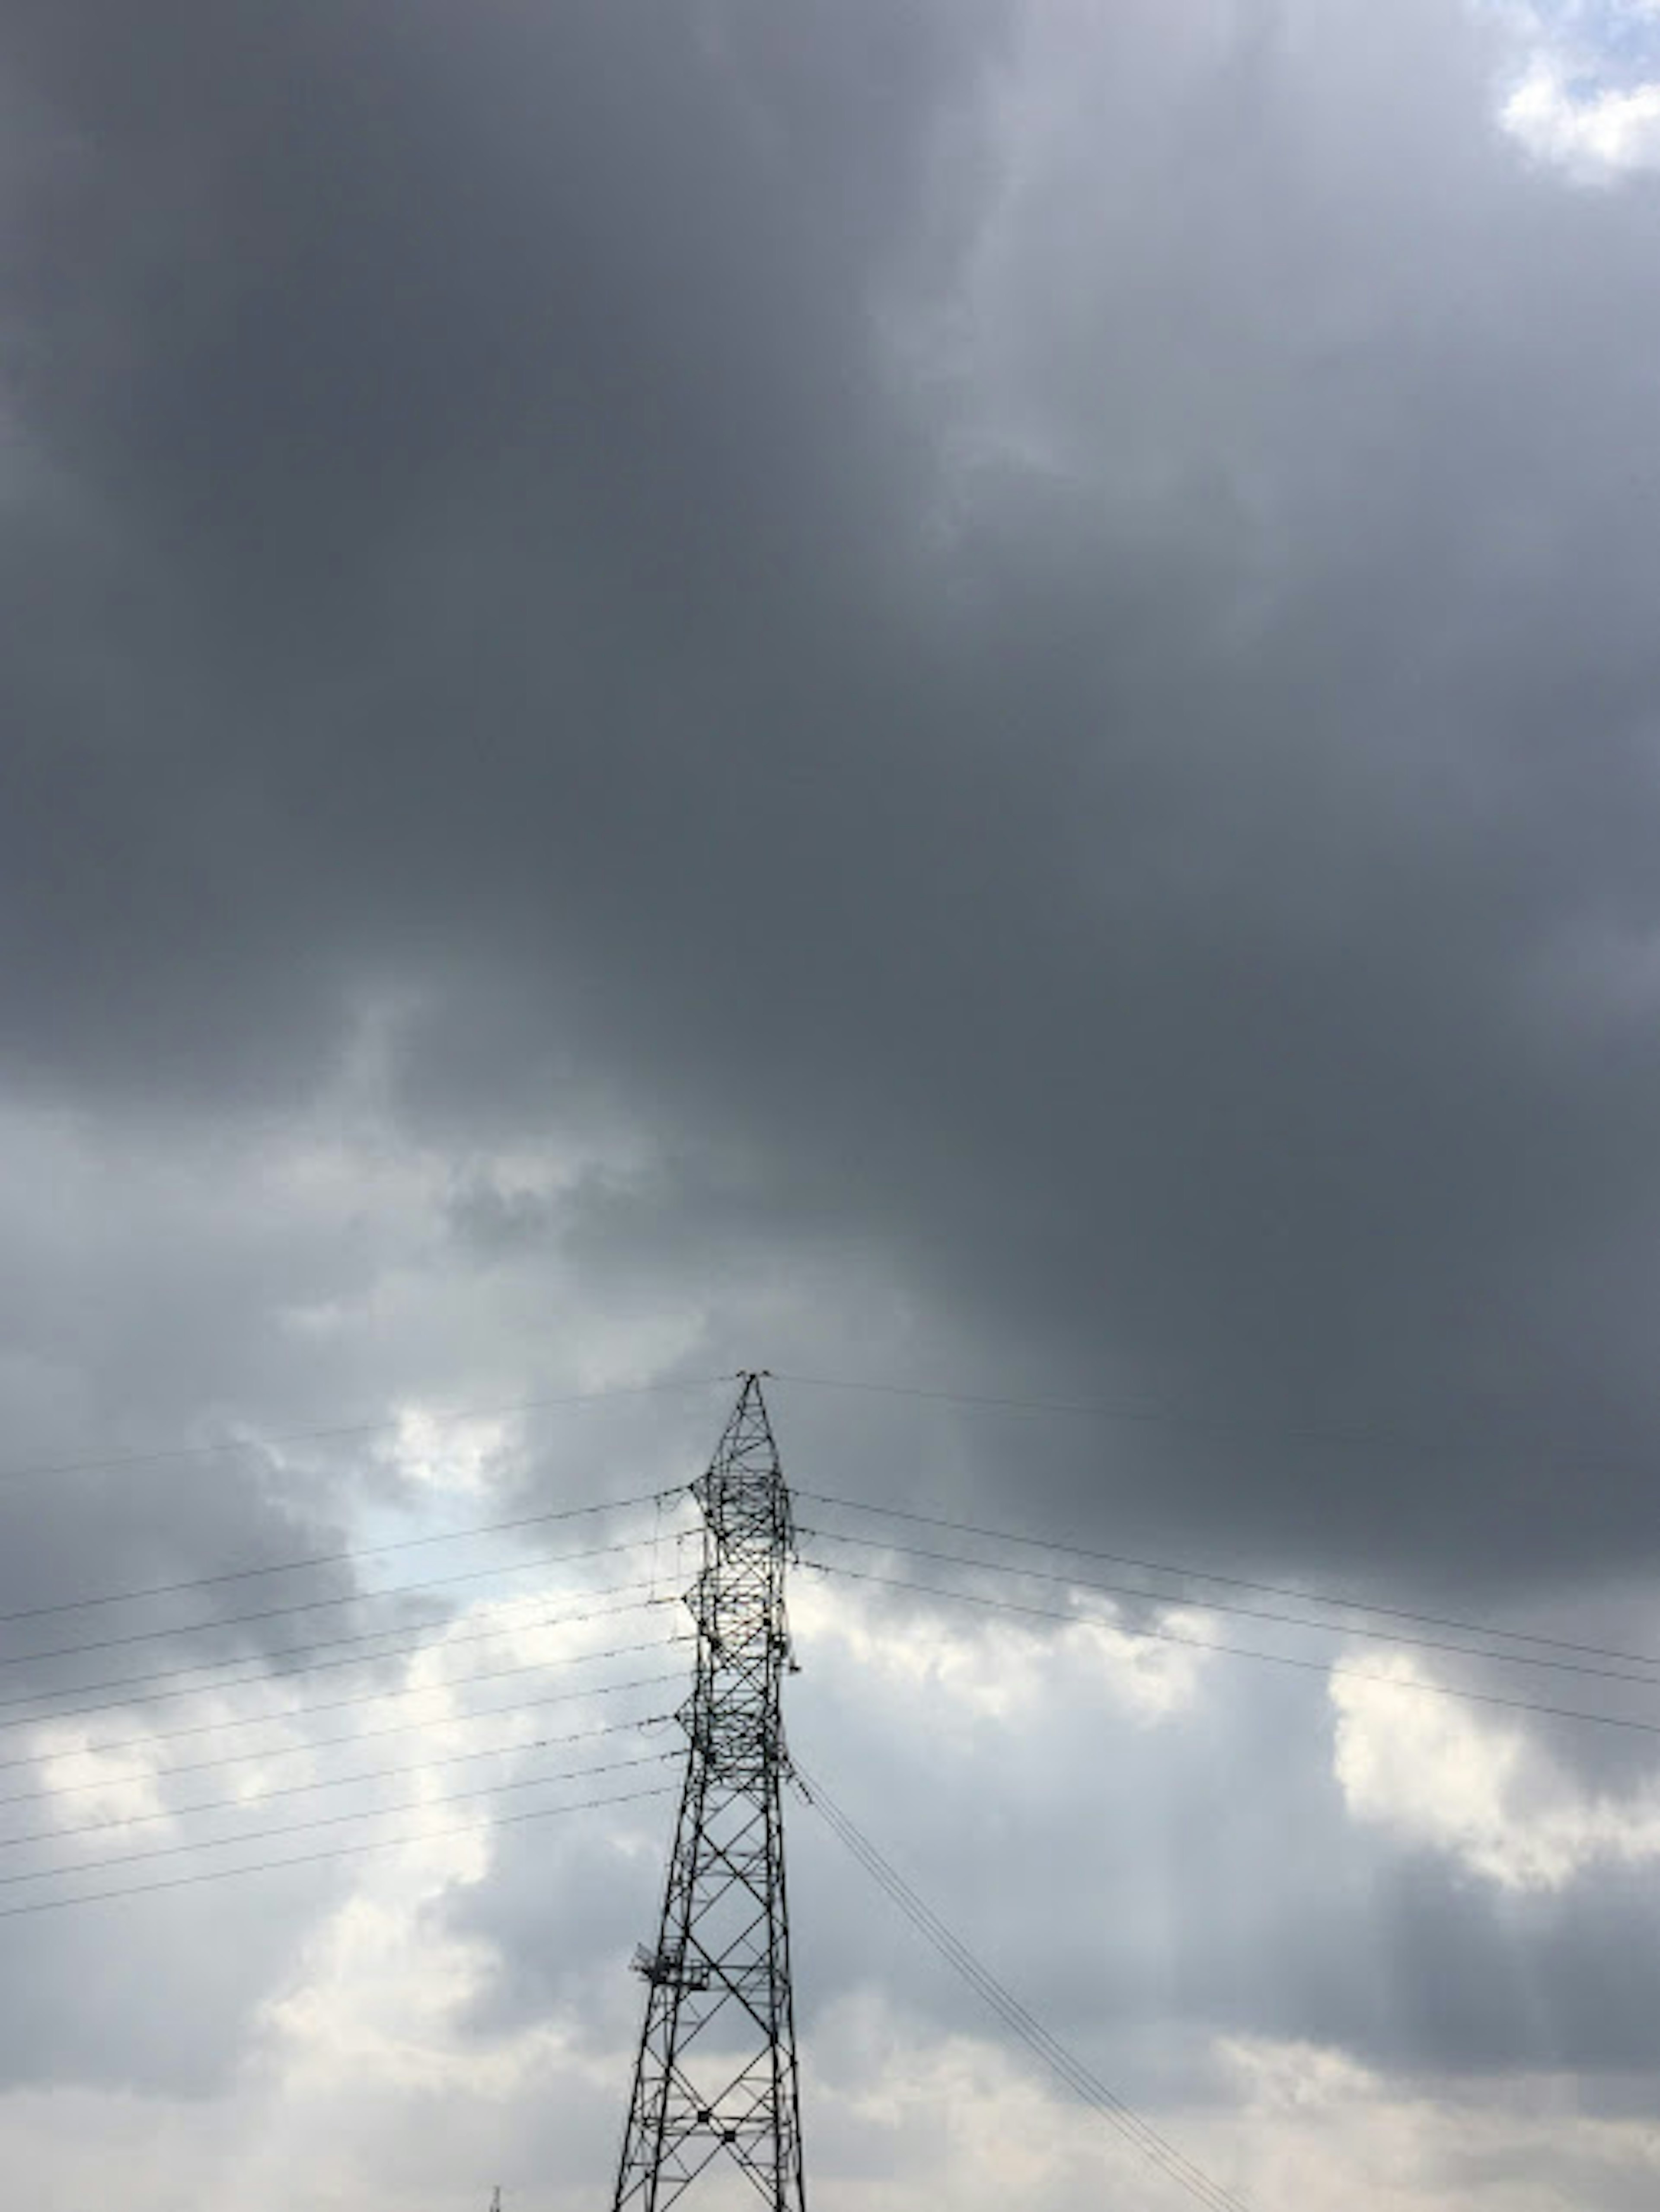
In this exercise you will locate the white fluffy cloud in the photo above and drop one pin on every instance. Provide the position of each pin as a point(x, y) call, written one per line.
point(1594, 135)
point(1586, 97)
point(1450, 1777)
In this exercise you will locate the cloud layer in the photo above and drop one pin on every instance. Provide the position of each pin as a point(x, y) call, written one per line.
point(958, 696)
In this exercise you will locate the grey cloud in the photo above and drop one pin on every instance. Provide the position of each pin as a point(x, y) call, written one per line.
point(156, 1998)
point(1172, 942)
point(1043, 741)
point(1162, 1888)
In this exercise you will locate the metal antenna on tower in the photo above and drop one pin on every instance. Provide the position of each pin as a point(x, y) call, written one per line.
point(716, 2080)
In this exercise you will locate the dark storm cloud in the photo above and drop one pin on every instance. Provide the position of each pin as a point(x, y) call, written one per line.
point(478, 543)
point(382, 282)
point(1171, 915)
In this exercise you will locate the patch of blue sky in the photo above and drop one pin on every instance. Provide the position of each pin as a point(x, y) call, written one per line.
point(1621, 42)
point(1600, 45)
point(1583, 90)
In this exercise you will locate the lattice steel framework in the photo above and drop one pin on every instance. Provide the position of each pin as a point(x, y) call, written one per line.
point(715, 2084)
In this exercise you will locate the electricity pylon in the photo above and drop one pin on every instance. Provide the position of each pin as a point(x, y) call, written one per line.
point(715, 2082)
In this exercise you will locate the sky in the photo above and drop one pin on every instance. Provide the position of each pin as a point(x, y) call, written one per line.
point(957, 697)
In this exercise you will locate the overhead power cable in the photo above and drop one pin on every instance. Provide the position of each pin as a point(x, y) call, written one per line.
point(288, 1713)
point(230, 1447)
point(274, 1678)
point(535, 1560)
point(1155, 1415)
point(263, 1669)
point(333, 1851)
point(1244, 1611)
point(134, 1595)
point(301, 1788)
point(337, 1819)
point(1231, 1581)
point(310, 1746)
point(1133, 2126)
point(1239, 1651)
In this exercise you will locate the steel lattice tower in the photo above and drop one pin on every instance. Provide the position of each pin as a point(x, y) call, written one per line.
point(715, 2082)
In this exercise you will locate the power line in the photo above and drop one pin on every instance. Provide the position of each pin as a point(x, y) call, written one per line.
point(1139, 2133)
point(325, 1558)
point(1166, 1416)
point(312, 1745)
point(1240, 1651)
point(264, 1672)
point(320, 1604)
point(1106, 1408)
point(229, 1446)
point(335, 1704)
point(1136, 2130)
point(53, 1790)
point(334, 1851)
point(298, 1789)
point(264, 1669)
point(336, 1819)
point(1231, 1581)
point(1244, 1611)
